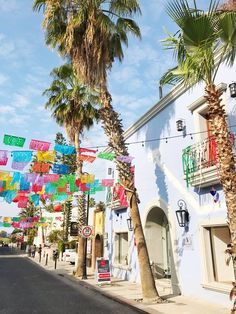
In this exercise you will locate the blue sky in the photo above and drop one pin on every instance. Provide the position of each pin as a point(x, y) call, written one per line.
point(25, 64)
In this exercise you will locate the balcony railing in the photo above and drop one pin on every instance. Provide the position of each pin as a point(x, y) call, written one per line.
point(198, 158)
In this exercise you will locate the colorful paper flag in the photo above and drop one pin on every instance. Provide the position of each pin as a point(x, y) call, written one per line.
point(64, 149)
point(39, 145)
point(13, 140)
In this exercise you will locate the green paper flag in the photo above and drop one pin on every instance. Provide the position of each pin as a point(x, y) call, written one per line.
point(16, 219)
point(104, 155)
point(6, 224)
point(13, 140)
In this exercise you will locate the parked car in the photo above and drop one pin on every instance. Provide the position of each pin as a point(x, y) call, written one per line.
point(69, 256)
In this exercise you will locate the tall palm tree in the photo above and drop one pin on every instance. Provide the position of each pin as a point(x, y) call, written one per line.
point(205, 41)
point(30, 211)
point(73, 106)
point(92, 33)
point(70, 161)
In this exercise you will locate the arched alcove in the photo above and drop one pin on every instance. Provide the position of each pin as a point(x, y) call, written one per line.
point(98, 246)
point(158, 242)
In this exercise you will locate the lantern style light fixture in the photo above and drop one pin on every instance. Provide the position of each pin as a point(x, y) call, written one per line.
point(182, 214)
point(232, 89)
point(129, 223)
point(180, 125)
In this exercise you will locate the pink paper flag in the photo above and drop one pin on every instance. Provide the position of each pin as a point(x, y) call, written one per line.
point(50, 178)
point(107, 182)
point(39, 145)
point(23, 200)
point(3, 157)
point(86, 150)
point(126, 159)
point(46, 196)
point(83, 187)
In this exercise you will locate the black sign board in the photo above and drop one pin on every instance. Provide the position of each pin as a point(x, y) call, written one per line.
point(74, 229)
point(103, 273)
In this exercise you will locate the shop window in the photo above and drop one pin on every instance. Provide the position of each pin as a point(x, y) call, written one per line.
point(121, 248)
point(216, 239)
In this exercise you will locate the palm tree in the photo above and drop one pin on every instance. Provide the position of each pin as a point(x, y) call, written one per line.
point(73, 106)
point(30, 211)
point(91, 33)
point(204, 42)
point(70, 161)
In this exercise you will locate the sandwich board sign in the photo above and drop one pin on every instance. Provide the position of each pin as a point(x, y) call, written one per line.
point(103, 272)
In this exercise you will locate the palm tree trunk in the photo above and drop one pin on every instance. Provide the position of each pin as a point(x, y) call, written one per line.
point(64, 222)
point(42, 228)
point(226, 161)
point(81, 212)
point(81, 222)
point(114, 130)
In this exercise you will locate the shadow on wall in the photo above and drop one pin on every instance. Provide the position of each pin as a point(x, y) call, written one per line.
point(156, 128)
point(133, 274)
point(110, 241)
point(159, 127)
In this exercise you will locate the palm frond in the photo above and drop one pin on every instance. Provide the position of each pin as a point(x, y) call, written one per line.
point(90, 33)
point(124, 7)
point(73, 105)
point(39, 4)
point(170, 78)
point(227, 29)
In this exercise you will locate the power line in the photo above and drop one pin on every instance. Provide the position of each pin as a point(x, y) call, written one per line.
point(166, 138)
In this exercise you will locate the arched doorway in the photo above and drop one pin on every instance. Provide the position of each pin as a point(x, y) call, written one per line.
point(158, 242)
point(98, 249)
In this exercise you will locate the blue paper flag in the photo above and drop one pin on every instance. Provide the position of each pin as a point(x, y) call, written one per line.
point(21, 156)
point(64, 149)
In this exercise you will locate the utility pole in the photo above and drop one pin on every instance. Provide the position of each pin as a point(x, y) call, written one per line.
point(85, 242)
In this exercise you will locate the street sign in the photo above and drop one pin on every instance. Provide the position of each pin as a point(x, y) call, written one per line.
point(73, 228)
point(86, 231)
point(103, 273)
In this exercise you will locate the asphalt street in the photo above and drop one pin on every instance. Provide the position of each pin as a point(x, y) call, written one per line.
point(26, 288)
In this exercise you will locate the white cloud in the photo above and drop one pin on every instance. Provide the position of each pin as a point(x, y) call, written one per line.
point(20, 101)
point(146, 30)
point(6, 47)
point(19, 120)
point(7, 110)
point(140, 53)
point(8, 5)
point(3, 79)
point(124, 74)
point(153, 10)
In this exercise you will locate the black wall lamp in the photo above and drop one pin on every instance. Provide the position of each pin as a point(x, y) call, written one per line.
point(182, 214)
point(180, 125)
point(232, 89)
point(129, 223)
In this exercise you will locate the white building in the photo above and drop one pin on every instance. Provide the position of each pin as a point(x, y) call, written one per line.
point(192, 258)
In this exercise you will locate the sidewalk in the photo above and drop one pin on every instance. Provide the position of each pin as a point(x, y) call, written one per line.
point(130, 293)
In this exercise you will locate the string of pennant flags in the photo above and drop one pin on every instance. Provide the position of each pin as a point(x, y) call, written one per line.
point(47, 180)
point(20, 188)
point(46, 157)
point(27, 222)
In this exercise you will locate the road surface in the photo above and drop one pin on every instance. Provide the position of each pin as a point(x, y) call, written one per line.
point(26, 288)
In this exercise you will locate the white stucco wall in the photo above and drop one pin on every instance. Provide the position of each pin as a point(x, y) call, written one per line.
point(159, 181)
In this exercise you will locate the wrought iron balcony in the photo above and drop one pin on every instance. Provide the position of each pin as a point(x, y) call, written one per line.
point(199, 163)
